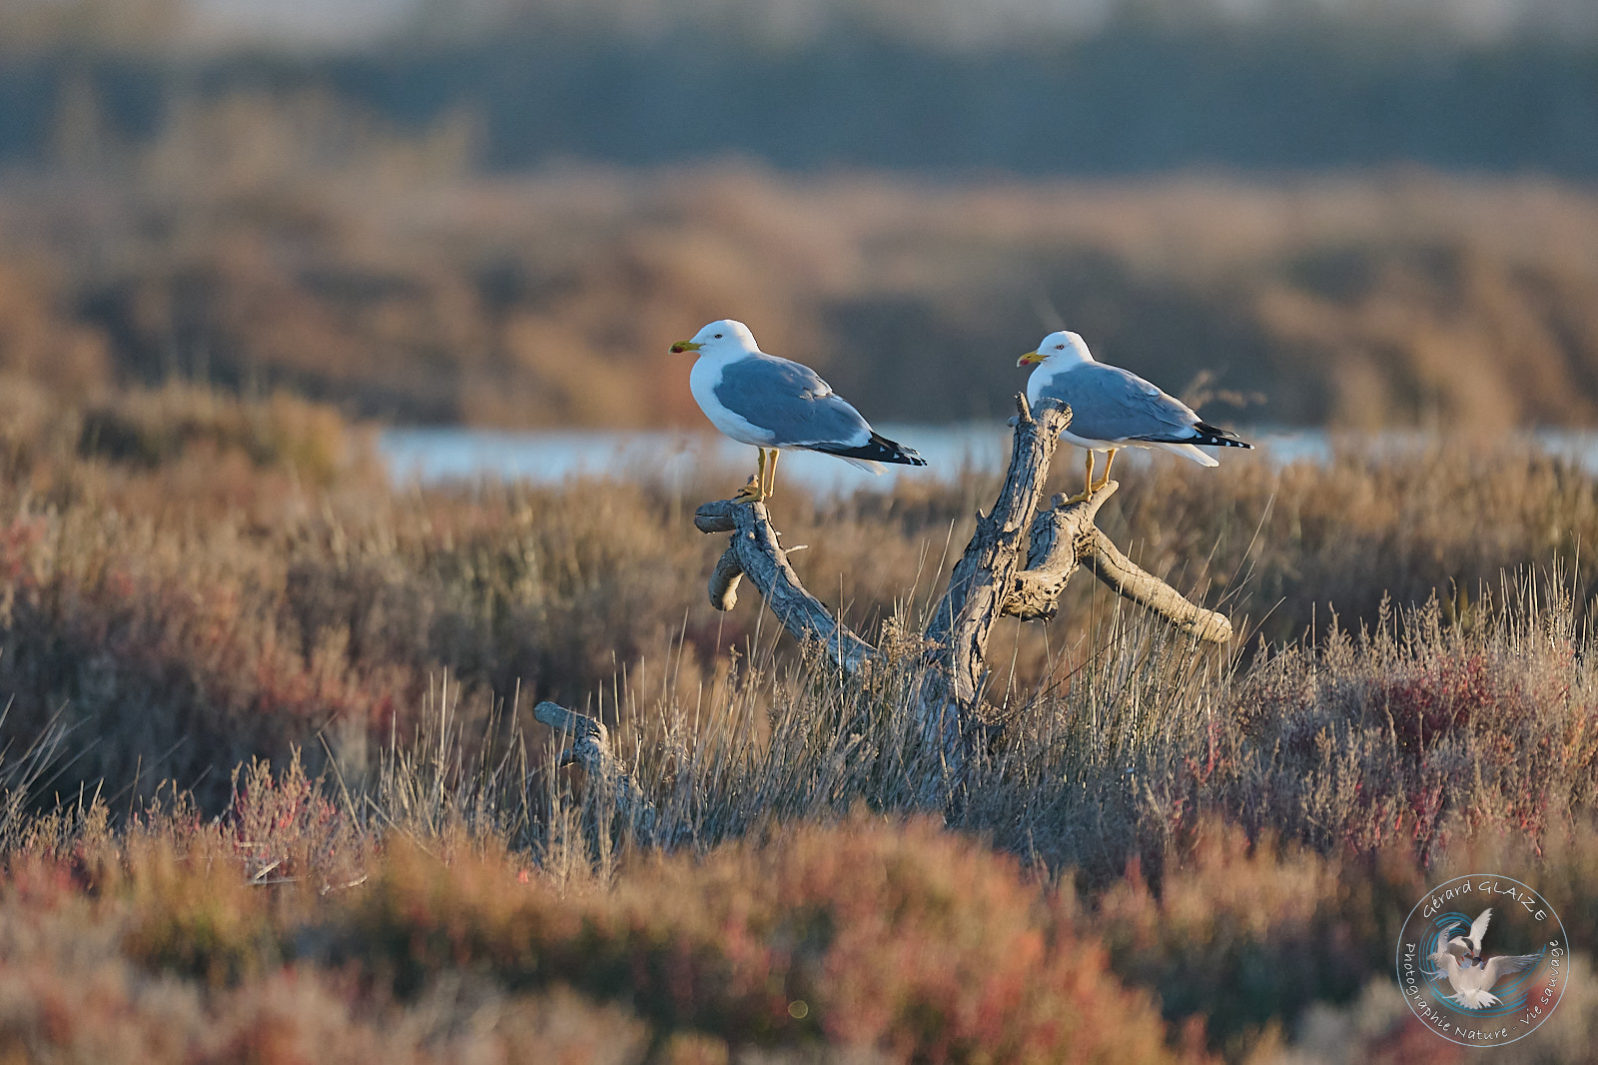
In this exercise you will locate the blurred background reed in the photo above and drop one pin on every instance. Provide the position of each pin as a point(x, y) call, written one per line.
point(500, 213)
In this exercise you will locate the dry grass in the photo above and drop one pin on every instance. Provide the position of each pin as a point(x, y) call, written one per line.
point(196, 580)
point(402, 874)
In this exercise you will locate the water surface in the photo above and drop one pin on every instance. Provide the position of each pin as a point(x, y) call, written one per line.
point(673, 457)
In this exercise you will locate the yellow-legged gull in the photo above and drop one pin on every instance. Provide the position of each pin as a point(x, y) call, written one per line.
point(773, 403)
point(1112, 408)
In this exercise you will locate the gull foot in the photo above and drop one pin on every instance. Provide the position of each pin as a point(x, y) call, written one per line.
point(749, 493)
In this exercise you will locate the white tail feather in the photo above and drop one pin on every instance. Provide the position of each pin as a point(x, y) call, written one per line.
point(1188, 451)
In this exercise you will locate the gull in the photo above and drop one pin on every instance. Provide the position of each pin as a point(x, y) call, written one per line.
point(775, 403)
point(1473, 984)
point(1112, 408)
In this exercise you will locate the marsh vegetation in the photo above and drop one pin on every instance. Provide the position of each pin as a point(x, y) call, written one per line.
point(274, 789)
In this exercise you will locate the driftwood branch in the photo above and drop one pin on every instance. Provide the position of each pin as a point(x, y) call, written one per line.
point(979, 587)
point(590, 748)
point(989, 580)
point(1065, 537)
point(755, 553)
point(1058, 534)
point(1116, 570)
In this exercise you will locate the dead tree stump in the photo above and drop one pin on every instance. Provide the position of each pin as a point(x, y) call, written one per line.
point(1018, 562)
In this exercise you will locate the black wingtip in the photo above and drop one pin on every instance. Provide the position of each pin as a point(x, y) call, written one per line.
point(878, 449)
point(1214, 436)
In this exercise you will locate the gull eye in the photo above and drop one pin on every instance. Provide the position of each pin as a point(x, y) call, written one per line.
point(1059, 347)
point(718, 336)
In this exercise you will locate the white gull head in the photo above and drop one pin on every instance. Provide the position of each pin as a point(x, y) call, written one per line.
point(1064, 350)
point(725, 337)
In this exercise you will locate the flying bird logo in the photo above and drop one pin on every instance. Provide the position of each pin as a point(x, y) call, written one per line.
point(1469, 971)
point(1457, 989)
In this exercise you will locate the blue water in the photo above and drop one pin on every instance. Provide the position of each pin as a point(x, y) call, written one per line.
point(673, 457)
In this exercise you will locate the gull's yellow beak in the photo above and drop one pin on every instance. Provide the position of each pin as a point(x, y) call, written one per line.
point(682, 346)
point(1028, 359)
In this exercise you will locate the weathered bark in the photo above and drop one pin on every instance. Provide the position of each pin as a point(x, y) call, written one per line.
point(1064, 537)
point(957, 636)
point(590, 748)
point(1117, 571)
point(755, 552)
point(724, 580)
point(1058, 534)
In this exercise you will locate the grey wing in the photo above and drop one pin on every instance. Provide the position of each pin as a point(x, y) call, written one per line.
point(1109, 403)
point(1507, 964)
point(790, 401)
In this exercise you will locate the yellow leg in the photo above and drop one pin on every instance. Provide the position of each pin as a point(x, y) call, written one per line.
point(1087, 489)
point(754, 491)
point(771, 473)
point(1108, 459)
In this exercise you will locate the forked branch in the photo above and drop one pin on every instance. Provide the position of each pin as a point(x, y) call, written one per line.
point(957, 635)
point(989, 580)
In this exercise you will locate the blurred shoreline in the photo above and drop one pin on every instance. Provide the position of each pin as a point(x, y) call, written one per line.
point(675, 459)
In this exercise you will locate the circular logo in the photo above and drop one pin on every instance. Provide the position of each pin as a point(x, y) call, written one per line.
point(1483, 960)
